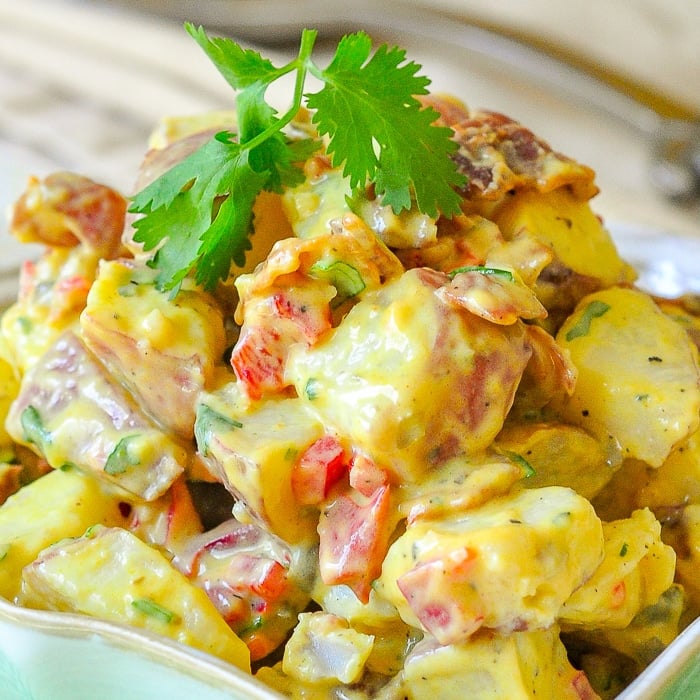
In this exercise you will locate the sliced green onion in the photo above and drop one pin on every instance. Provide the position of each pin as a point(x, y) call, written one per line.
point(152, 609)
point(495, 271)
point(344, 277)
point(594, 310)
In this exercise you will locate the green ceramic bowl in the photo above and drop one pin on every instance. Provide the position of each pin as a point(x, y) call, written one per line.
point(60, 656)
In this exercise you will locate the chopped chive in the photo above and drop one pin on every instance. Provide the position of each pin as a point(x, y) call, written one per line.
point(33, 426)
point(495, 271)
point(153, 609)
point(593, 310)
point(528, 470)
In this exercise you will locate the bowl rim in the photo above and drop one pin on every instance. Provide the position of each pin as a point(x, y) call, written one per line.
point(158, 649)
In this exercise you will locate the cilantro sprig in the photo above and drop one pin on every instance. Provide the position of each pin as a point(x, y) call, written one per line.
point(197, 216)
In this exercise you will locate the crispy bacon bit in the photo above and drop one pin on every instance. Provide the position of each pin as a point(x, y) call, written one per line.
point(498, 154)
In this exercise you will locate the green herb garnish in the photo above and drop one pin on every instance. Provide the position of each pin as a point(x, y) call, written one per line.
point(345, 278)
point(121, 458)
point(594, 310)
point(495, 271)
point(207, 422)
point(153, 609)
point(198, 215)
point(33, 426)
point(312, 389)
point(528, 470)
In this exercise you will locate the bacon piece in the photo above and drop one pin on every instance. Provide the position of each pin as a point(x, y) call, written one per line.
point(498, 154)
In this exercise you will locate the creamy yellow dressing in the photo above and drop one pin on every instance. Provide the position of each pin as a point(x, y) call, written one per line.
point(460, 458)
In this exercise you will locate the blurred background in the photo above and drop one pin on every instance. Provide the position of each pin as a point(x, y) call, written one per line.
point(614, 84)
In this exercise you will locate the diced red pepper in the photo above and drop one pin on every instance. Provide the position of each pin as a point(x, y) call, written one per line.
point(266, 578)
point(289, 316)
point(321, 466)
point(365, 475)
point(301, 306)
point(258, 360)
point(245, 573)
point(438, 593)
point(619, 593)
point(354, 538)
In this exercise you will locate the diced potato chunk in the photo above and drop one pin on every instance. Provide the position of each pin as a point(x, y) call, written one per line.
point(561, 455)
point(113, 575)
point(324, 648)
point(638, 378)
point(164, 351)
point(52, 295)
point(252, 450)
point(636, 570)
point(9, 386)
point(71, 411)
point(569, 227)
point(518, 666)
point(508, 565)
point(57, 505)
point(412, 389)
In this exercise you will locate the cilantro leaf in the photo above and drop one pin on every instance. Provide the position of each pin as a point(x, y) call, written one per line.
point(203, 221)
point(275, 154)
point(226, 239)
point(380, 131)
point(240, 67)
point(197, 217)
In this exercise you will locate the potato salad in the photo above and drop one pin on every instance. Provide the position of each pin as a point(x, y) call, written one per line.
point(391, 455)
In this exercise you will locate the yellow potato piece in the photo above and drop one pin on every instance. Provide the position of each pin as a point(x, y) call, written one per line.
point(111, 574)
point(253, 450)
point(561, 455)
point(59, 504)
point(518, 666)
point(636, 570)
point(638, 379)
point(570, 228)
point(509, 564)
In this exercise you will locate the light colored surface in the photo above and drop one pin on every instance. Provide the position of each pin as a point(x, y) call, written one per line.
point(651, 41)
